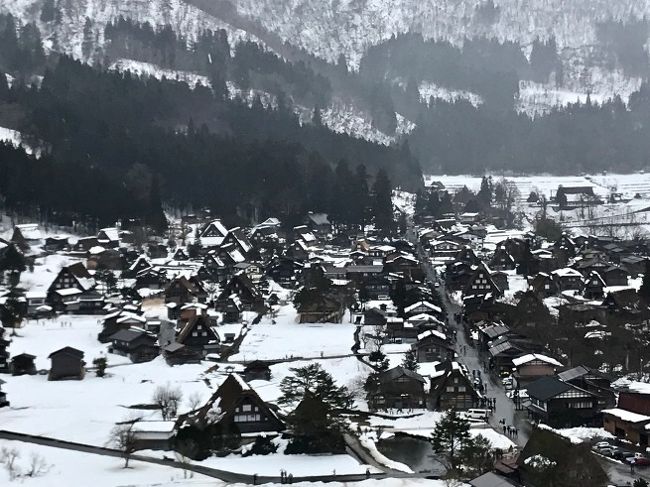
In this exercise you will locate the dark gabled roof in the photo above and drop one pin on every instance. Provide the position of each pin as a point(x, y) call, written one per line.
point(547, 388)
point(228, 395)
point(581, 371)
point(28, 356)
point(79, 270)
point(491, 479)
point(67, 351)
point(319, 218)
point(575, 372)
point(392, 374)
point(128, 335)
point(173, 347)
point(192, 323)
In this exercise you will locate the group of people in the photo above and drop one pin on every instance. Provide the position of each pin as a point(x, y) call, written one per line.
point(511, 431)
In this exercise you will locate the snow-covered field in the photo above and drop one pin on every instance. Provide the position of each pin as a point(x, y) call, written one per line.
point(85, 411)
point(289, 339)
point(77, 469)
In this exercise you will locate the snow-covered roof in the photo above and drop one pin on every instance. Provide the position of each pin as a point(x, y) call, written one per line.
point(627, 416)
point(111, 233)
point(426, 304)
point(30, 231)
point(535, 356)
point(433, 333)
point(566, 272)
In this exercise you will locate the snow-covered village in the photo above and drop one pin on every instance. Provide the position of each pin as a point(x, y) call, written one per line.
point(482, 343)
point(350, 243)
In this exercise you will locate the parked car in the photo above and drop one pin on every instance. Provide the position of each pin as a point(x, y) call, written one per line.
point(638, 460)
point(603, 448)
point(620, 454)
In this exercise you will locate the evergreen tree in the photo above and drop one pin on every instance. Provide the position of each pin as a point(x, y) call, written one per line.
point(450, 437)
point(485, 194)
point(13, 260)
point(156, 216)
point(410, 361)
point(382, 203)
point(476, 457)
point(640, 482)
point(316, 118)
point(314, 379)
point(360, 195)
point(88, 42)
point(48, 11)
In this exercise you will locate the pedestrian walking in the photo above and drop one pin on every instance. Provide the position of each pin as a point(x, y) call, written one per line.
point(504, 429)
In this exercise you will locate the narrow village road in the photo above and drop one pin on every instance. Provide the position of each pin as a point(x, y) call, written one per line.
point(468, 355)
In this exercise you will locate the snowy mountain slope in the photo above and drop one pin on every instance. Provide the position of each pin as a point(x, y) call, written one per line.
point(331, 27)
point(67, 36)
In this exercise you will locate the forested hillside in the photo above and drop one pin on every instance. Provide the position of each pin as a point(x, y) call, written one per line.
point(117, 145)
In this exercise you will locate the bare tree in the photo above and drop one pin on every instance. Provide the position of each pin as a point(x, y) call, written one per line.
point(9, 458)
point(123, 437)
point(194, 401)
point(37, 466)
point(167, 398)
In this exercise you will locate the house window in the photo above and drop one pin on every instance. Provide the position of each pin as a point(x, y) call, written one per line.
point(247, 418)
point(246, 408)
point(450, 389)
point(461, 389)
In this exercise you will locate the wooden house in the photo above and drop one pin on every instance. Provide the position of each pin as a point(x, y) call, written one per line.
point(67, 364)
point(138, 345)
point(433, 346)
point(567, 279)
point(543, 285)
point(501, 260)
point(109, 237)
point(55, 243)
point(142, 263)
point(119, 320)
point(200, 335)
point(615, 276)
point(235, 406)
point(593, 381)
point(284, 270)
point(243, 288)
point(70, 286)
point(561, 404)
point(397, 388)
point(176, 353)
point(451, 388)
point(480, 283)
point(3, 396)
point(23, 364)
point(318, 223)
point(257, 370)
point(183, 290)
point(627, 425)
point(4, 352)
point(594, 286)
point(238, 238)
point(100, 258)
point(315, 306)
point(532, 366)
